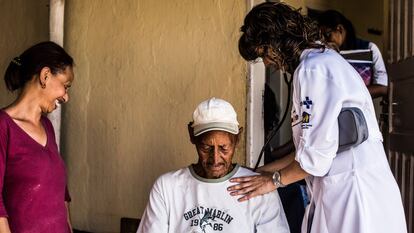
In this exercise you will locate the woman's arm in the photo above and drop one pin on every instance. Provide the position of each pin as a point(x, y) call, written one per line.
point(252, 186)
point(277, 164)
point(283, 150)
point(377, 90)
point(68, 214)
point(4, 225)
point(292, 173)
point(4, 138)
point(380, 77)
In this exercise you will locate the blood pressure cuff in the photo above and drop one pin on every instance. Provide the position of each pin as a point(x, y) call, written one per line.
point(353, 129)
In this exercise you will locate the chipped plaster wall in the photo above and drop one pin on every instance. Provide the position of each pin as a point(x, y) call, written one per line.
point(363, 15)
point(23, 23)
point(141, 69)
point(356, 12)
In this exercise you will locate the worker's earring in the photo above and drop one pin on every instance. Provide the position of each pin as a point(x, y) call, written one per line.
point(42, 84)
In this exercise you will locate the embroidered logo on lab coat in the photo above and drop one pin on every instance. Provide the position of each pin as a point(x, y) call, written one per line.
point(305, 117)
point(307, 102)
point(306, 120)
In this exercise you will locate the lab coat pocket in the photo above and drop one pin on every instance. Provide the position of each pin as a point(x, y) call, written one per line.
point(335, 190)
point(341, 202)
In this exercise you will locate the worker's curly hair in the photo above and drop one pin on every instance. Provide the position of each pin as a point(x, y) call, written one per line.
point(278, 33)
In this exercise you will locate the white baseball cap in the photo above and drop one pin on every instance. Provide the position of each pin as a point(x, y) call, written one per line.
point(215, 114)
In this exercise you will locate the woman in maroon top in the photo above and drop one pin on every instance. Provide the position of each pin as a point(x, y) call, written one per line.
point(33, 196)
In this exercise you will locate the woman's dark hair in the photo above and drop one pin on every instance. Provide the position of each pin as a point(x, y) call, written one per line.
point(45, 54)
point(331, 19)
point(279, 33)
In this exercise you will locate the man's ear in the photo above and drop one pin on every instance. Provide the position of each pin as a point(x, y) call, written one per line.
point(191, 132)
point(239, 135)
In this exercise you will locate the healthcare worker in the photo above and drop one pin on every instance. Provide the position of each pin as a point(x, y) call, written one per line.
point(338, 30)
point(351, 191)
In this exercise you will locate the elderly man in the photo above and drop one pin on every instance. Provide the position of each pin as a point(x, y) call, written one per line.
point(195, 199)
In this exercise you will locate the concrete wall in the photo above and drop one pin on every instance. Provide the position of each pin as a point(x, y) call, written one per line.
point(141, 69)
point(363, 14)
point(23, 23)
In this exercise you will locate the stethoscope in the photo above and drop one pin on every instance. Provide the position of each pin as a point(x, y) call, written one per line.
point(275, 130)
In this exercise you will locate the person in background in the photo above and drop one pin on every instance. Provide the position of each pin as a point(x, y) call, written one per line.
point(363, 55)
point(194, 199)
point(350, 190)
point(34, 195)
point(337, 29)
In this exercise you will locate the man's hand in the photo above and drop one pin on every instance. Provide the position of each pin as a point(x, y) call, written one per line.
point(252, 186)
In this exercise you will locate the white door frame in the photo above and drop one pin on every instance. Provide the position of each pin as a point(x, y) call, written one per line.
point(56, 28)
point(254, 119)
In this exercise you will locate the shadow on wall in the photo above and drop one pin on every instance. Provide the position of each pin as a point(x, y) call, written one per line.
point(77, 231)
point(128, 225)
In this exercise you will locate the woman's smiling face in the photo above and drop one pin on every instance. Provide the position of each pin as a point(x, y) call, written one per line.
point(56, 89)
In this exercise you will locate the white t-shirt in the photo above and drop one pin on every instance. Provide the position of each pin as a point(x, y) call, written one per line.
point(183, 202)
point(380, 76)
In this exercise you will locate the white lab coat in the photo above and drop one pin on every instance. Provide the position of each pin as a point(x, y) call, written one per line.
point(353, 191)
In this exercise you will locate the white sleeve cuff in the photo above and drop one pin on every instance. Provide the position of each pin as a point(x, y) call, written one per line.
point(315, 162)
